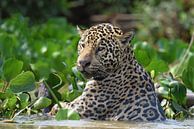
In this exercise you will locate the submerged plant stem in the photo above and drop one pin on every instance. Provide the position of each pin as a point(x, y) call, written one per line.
point(52, 94)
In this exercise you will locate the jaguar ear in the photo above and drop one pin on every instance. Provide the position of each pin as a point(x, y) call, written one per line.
point(127, 37)
point(80, 30)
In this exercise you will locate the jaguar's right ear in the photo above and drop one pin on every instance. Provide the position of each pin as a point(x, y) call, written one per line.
point(127, 37)
point(80, 30)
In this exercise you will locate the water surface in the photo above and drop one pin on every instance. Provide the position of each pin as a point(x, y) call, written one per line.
point(42, 123)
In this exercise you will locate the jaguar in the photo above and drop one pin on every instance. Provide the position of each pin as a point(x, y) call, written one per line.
point(118, 87)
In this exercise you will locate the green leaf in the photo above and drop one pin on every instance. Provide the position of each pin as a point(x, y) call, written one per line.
point(61, 114)
point(54, 80)
point(170, 50)
point(191, 60)
point(42, 102)
point(11, 102)
point(178, 92)
point(73, 115)
point(11, 68)
point(1, 82)
point(183, 64)
point(158, 66)
point(41, 69)
point(145, 46)
point(188, 77)
point(188, 73)
point(24, 100)
point(67, 114)
point(24, 82)
point(70, 96)
point(165, 83)
point(4, 95)
point(178, 107)
point(181, 111)
point(7, 43)
point(142, 57)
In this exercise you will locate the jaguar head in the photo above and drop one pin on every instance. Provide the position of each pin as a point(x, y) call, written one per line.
point(101, 49)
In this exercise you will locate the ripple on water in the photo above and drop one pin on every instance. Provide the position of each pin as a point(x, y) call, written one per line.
point(42, 123)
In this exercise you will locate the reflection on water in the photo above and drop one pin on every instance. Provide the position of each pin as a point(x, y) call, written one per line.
point(41, 123)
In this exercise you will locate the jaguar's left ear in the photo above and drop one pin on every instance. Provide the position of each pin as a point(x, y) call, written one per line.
point(127, 37)
point(80, 30)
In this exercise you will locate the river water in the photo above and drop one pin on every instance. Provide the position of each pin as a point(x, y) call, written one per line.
point(31, 123)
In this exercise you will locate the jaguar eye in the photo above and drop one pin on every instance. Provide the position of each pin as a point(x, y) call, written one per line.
point(99, 49)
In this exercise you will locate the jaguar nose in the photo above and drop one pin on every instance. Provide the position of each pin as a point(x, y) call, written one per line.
point(84, 63)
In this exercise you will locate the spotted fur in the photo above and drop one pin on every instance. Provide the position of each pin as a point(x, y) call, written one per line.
point(118, 87)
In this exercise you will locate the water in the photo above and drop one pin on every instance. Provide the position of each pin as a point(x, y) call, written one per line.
point(42, 123)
